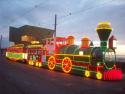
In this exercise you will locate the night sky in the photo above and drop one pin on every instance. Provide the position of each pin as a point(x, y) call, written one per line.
point(74, 17)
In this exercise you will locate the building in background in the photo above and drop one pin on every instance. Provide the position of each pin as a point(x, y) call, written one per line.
point(26, 34)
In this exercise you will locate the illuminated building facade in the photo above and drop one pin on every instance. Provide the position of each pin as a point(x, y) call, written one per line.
point(26, 34)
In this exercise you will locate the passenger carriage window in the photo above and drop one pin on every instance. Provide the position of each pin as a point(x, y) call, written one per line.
point(52, 43)
point(39, 51)
point(44, 52)
point(33, 51)
point(48, 41)
point(57, 43)
point(52, 39)
point(36, 51)
point(30, 51)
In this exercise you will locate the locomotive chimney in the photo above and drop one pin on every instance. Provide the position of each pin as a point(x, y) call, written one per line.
point(70, 40)
point(85, 42)
point(103, 29)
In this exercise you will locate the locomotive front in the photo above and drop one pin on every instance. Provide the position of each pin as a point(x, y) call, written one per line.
point(106, 57)
point(95, 62)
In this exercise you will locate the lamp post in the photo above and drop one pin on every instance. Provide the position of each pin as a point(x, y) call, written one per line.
point(1, 44)
point(55, 25)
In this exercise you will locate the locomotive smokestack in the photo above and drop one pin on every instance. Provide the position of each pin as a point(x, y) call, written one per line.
point(103, 29)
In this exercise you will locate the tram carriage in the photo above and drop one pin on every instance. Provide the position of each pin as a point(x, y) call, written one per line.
point(35, 55)
point(16, 53)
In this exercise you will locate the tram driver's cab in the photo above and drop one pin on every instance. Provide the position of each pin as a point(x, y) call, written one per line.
point(52, 44)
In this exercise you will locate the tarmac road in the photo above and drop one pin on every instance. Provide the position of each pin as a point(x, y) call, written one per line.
point(16, 78)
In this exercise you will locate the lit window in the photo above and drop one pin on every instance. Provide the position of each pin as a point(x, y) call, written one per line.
point(80, 52)
point(114, 43)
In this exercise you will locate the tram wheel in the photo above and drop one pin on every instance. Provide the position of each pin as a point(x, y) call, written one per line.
point(51, 62)
point(66, 65)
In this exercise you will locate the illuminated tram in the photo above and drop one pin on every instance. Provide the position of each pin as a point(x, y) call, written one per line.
point(16, 53)
point(94, 62)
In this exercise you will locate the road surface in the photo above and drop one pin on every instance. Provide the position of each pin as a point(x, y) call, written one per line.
point(17, 78)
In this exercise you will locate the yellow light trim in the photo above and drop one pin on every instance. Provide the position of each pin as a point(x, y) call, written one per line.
point(104, 25)
point(66, 71)
point(74, 55)
point(15, 58)
point(87, 73)
point(17, 46)
point(107, 23)
point(34, 46)
point(14, 53)
point(99, 75)
point(31, 62)
point(40, 64)
point(6, 54)
point(51, 63)
point(35, 42)
point(36, 64)
point(25, 55)
point(103, 28)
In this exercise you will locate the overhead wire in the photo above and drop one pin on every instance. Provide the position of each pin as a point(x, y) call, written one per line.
point(61, 17)
point(32, 9)
point(24, 14)
point(83, 10)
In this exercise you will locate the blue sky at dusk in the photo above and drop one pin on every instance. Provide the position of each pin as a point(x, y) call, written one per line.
point(75, 17)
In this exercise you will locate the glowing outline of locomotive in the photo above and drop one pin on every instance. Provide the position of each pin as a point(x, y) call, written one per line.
point(95, 62)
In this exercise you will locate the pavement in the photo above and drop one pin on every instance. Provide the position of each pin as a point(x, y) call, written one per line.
point(17, 78)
